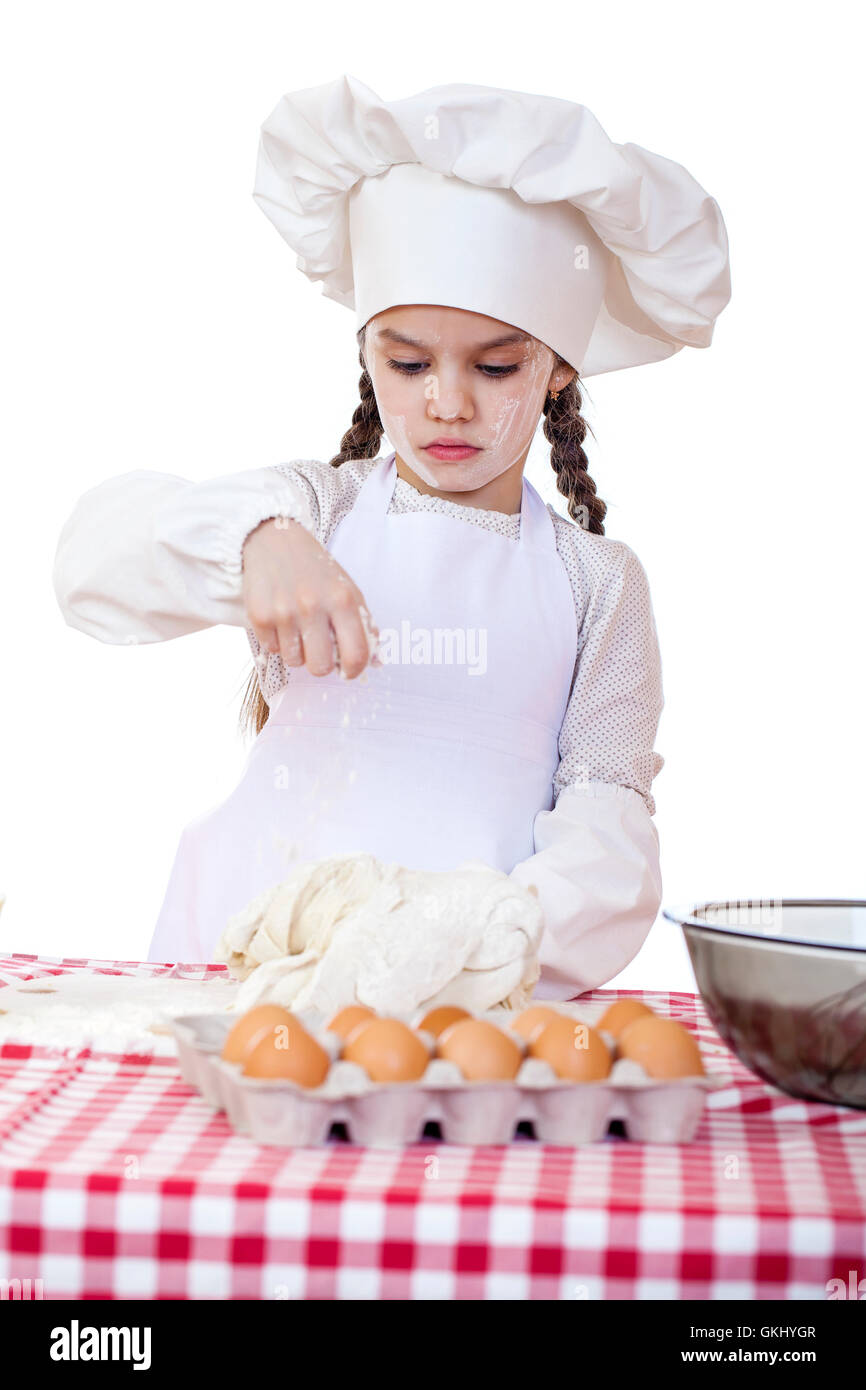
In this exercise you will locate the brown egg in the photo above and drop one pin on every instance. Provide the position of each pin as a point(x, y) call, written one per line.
point(387, 1049)
point(526, 1023)
point(619, 1015)
point(343, 1022)
point(294, 1055)
point(439, 1019)
point(575, 1051)
point(663, 1047)
point(481, 1050)
point(254, 1024)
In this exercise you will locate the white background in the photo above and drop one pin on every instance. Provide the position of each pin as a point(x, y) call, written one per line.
point(153, 318)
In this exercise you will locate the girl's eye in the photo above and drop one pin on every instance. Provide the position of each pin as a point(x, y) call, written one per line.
point(410, 368)
point(414, 368)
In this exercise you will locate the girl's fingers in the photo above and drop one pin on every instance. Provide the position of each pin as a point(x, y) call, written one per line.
point(266, 638)
point(291, 646)
point(318, 643)
point(352, 644)
point(318, 620)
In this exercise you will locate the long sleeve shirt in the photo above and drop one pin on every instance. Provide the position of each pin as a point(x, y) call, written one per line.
point(147, 557)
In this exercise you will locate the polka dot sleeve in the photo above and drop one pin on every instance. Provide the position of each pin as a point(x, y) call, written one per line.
point(616, 698)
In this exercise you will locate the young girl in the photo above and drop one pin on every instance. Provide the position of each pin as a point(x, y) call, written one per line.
point(446, 668)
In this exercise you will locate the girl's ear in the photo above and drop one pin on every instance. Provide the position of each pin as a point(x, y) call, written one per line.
point(562, 376)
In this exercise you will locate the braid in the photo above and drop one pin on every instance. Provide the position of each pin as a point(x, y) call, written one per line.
point(364, 435)
point(566, 429)
point(254, 710)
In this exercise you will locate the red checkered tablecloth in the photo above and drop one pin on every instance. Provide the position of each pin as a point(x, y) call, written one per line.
point(118, 1181)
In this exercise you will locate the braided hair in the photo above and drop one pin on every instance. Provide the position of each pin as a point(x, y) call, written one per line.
point(565, 429)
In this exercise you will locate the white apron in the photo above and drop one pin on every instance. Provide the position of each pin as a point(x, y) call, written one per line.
point(445, 753)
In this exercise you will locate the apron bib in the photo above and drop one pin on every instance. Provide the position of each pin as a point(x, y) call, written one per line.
point(443, 754)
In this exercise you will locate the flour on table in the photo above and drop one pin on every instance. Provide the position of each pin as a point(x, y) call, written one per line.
point(106, 1012)
point(352, 929)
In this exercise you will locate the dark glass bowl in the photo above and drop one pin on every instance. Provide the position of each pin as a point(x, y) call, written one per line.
point(784, 983)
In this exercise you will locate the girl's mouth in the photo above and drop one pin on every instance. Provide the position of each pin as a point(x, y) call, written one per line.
point(452, 453)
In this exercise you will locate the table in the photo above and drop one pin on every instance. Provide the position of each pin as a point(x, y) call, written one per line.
point(118, 1181)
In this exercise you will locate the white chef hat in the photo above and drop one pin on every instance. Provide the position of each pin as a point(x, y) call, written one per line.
point(504, 203)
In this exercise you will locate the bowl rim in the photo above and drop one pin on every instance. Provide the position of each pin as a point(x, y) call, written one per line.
point(686, 917)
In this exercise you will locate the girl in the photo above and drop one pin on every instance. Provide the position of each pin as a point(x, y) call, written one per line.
point(445, 667)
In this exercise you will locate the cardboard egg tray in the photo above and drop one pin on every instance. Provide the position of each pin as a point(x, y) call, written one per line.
point(391, 1115)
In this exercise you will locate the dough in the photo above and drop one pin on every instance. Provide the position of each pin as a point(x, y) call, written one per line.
point(352, 929)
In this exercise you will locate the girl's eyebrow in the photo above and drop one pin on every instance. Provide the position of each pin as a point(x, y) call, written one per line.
point(502, 341)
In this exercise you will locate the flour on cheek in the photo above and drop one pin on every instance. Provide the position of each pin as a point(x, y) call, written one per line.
point(500, 415)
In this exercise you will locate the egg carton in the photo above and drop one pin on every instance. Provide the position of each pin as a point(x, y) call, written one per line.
point(391, 1115)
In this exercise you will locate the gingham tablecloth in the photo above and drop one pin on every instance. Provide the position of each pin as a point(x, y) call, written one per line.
point(118, 1181)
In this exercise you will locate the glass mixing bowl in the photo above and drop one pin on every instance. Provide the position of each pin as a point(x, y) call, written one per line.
point(784, 983)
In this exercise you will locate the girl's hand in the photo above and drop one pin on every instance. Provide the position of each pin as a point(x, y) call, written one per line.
point(302, 604)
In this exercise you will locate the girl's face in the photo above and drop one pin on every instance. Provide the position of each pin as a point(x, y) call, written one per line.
point(449, 374)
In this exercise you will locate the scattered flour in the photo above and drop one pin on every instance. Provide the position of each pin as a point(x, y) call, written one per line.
point(112, 1013)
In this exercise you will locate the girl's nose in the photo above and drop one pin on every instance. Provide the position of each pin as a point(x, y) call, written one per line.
point(449, 402)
